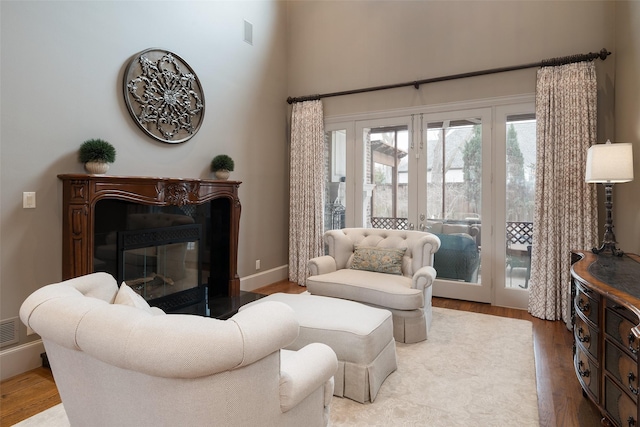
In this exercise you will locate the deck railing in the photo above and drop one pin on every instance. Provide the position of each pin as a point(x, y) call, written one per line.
point(520, 232)
point(517, 231)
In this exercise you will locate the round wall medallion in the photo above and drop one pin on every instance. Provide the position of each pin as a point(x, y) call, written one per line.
point(163, 95)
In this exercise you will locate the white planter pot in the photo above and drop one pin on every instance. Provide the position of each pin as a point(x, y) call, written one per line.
point(96, 168)
point(222, 174)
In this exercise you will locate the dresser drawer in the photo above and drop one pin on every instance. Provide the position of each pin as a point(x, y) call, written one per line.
point(622, 367)
point(622, 311)
point(586, 303)
point(587, 372)
point(619, 328)
point(586, 336)
point(619, 406)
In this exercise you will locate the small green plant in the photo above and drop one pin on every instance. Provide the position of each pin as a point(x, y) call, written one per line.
point(222, 162)
point(97, 150)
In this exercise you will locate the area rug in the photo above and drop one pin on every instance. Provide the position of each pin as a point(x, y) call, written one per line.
point(474, 370)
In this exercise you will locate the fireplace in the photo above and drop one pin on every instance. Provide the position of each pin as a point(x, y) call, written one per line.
point(174, 241)
point(159, 262)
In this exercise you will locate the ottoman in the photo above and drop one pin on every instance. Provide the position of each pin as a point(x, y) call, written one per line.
point(361, 336)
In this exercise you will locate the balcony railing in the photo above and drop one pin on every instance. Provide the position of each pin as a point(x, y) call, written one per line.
point(520, 232)
point(390, 223)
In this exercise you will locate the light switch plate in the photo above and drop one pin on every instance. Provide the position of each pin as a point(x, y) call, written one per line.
point(29, 199)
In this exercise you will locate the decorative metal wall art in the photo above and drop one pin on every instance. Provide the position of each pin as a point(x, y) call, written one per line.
point(164, 96)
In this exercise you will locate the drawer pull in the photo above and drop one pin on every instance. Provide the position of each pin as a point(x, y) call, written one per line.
point(632, 378)
point(581, 337)
point(632, 339)
point(582, 373)
point(631, 422)
point(582, 306)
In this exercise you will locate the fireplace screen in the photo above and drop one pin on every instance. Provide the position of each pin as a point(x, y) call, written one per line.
point(164, 262)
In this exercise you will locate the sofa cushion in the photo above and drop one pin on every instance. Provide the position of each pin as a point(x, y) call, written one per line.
point(383, 290)
point(381, 260)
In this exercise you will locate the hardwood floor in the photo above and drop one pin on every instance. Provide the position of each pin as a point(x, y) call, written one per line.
point(26, 395)
point(560, 399)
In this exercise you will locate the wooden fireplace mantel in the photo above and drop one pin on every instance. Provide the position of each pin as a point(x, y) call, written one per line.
point(81, 192)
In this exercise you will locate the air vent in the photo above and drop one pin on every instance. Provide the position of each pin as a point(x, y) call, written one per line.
point(8, 331)
point(248, 32)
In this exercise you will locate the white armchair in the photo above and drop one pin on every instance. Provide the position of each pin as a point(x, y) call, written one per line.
point(407, 293)
point(117, 361)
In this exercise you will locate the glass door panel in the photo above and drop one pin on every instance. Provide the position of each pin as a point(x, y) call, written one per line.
point(515, 144)
point(386, 174)
point(455, 170)
point(335, 201)
point(388, 164)
point(520, 187)
point(454, 196)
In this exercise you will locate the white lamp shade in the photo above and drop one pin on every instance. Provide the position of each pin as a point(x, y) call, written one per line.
point(610, 163)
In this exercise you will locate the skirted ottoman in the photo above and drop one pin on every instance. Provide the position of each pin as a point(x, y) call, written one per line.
point(361, 336)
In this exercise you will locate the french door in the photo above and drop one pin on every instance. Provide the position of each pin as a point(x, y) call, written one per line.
point(444, 172)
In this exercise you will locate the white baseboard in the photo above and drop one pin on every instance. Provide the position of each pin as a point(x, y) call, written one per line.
point(258, 280)
point(19, 359)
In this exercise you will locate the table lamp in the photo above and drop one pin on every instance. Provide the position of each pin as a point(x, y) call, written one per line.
point(609, 164)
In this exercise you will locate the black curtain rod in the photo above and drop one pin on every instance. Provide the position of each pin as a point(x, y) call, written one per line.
point(553, 62)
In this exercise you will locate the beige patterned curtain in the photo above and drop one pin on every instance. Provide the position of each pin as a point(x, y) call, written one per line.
point(306, 188)
point(566, 214)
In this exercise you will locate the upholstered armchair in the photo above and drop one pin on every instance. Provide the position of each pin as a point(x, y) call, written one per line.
point(391, 269)
point(118, 362)
point(458, 258)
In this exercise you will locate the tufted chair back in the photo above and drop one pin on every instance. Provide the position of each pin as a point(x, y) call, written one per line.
point(420, 246)
point(118, 362)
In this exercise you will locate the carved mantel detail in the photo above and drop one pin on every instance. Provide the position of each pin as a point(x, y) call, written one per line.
point(81, 192)
point(179, 194)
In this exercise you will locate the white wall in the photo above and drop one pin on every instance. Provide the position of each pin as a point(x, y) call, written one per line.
point(61, 84)
point(349, 45)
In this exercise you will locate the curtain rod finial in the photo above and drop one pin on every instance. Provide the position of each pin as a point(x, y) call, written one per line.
point(604, 53)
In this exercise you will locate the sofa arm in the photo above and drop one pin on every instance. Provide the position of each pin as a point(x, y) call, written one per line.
point(304, 371)
point(423, 278)
point(321, 265)
point(265, 328)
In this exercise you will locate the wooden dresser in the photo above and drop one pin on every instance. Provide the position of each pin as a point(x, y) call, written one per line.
point(606, 314)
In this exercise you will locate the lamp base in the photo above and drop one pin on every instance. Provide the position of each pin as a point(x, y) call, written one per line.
point(606, 246)
point(609, 239)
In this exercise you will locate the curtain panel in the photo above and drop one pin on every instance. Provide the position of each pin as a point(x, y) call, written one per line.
point(565, 215)
point(306, 188)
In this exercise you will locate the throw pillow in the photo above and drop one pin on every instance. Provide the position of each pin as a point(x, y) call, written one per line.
point(127, 296)
point(381, 260)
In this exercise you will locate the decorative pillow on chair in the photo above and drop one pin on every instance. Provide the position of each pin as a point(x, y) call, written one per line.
point(381, 260)
point(127, 296)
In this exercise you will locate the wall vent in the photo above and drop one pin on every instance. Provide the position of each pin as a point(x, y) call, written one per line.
point(8, 331)
point(248, 32)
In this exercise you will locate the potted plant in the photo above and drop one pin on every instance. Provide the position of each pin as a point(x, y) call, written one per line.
point(221, 165)
point(96, 154)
